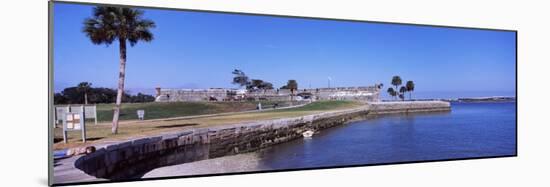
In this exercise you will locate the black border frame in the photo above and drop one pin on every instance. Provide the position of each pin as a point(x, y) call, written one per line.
point(51, 91)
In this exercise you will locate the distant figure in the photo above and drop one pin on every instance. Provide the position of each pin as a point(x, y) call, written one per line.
point(275, 105)
point(259, 106)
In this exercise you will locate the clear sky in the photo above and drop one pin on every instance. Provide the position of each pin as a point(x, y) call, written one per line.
point(200, 50)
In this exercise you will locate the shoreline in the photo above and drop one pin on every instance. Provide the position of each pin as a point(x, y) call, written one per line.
point(466, 99)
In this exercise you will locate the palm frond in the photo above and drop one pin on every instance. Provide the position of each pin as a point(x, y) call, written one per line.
point(108, 24)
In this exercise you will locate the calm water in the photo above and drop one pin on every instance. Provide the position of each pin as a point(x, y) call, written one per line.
point(452, 94)
point(469, 130)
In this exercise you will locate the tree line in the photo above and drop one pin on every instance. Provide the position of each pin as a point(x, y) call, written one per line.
point(84, 93)
point(241, 79)
point(396, 82)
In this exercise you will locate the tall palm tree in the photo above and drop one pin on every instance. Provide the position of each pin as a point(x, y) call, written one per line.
point(402, 91)
point(109, 24)
point(392, 92)
point(396, 81)
point(410, 88)
point(84, 87)
point(293, 86)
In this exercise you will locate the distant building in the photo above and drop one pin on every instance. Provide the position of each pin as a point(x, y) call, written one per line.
point(367, 93)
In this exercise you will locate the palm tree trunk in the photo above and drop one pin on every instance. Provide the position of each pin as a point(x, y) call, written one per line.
point(396, 95)
point(410, 96)
point(85, 98)
point(120, 91)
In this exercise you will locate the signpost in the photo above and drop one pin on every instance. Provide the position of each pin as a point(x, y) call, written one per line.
point(74, 121)
point(141, 114)
point(60, 111)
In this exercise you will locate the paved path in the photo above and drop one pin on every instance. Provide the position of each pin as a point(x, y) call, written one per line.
point(227, 164)
point(64, 171)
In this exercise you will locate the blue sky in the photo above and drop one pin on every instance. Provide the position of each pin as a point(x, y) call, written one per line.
point(199, 50)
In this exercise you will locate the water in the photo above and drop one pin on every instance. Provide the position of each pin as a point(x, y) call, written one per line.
point(450, 94)
point(469, 130)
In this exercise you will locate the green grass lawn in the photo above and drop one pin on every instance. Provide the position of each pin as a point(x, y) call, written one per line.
point(321, 105)
point(157, 110)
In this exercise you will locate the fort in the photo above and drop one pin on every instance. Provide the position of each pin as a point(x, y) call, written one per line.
point(364, 93)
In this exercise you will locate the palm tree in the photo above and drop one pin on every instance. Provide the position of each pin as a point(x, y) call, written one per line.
point(402, 91)
point(410, 88)
point(396, 81)
point(84, 87)
point(109, 24)
point(392, 92)
point(292, 85)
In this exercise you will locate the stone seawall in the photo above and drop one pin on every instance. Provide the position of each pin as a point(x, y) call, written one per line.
point(408, 106)
point(132, 159)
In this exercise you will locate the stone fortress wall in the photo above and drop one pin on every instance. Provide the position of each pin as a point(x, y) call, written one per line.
point(366, 93)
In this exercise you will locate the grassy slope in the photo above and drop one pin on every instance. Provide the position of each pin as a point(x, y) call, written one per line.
point(174, 109)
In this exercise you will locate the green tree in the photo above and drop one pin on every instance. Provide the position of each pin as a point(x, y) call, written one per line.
point(392, 92)
point(396, 81)
point(256, 83)
point(259, 84)
point(402, 91)
point(410, 88)
point(292, 85)
point(379, 86)
point(84, 88)
point(266, 86)
point(109, 24)
point(240, 78)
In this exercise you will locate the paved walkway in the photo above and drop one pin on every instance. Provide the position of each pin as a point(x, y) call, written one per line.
point(64, 171)
point(227, 164)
